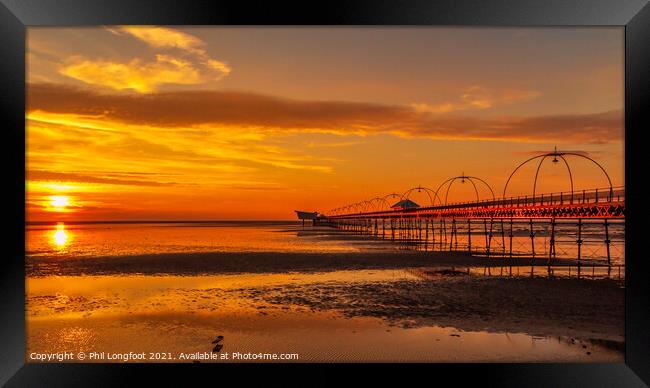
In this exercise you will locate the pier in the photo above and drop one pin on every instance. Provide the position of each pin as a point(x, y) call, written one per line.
point(584, 225)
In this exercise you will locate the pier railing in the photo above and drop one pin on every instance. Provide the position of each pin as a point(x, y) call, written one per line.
point(598, 196)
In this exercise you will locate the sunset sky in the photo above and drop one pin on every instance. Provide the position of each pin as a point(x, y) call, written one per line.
point(205, 123)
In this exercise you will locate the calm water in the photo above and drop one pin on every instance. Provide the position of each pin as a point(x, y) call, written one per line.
point(119, 239)
point(265, 312)
point(76, 240)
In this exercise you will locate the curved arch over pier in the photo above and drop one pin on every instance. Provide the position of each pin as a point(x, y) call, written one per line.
point(556, 154)
point(449, 182)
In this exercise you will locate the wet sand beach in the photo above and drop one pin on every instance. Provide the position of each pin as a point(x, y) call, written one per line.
point(264, 262)
point(358, 302)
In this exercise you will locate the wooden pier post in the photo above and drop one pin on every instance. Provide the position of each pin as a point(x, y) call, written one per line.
point(489, 243)
point(469, 236)
point(444, 231)
point(451, 239)
point(485, 232)
point(579, 242)
point(532, 244)
point(426, 233)
point(433, 235)
point(532, 239)
point(503, 240)
point(607, 241)
point(551, 248)
point(510, 236)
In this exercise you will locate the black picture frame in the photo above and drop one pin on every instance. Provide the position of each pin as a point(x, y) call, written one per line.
point(16, 15)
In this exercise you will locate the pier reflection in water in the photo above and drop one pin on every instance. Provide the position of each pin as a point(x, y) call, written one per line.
point(593, 241)
point(565, 271)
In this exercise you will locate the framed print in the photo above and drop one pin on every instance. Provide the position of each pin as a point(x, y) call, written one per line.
point(263, 191)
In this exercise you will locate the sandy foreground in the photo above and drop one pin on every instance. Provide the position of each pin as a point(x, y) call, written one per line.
point(438, 290)
point(588, 309)
point(262, 262)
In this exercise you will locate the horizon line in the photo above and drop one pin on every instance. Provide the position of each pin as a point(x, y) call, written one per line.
point(155, 221)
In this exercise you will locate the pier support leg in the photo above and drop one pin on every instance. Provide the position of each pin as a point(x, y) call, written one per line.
point(485, 232)
point(532, 246)
point(469, 236)
point(443, 230)
point(433, 234)
point(607, 242)
point(579, 242)
point(503, 240)
point(426, 233)
point(489, 242)
point(451, 239)
point(510, 235)
point(551, 248)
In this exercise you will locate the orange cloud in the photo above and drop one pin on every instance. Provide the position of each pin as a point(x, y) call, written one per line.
point(138, 76)
point(272, 114)
point(161, 37)
point(478, 98)
point(190, 65)
point(105, 178)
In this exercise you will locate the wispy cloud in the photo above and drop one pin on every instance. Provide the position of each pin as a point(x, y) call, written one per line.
point(478, 98)
point(161, 37)
point(94, 177)
point(592, 154)
point(335, 144)
point(269, 114)
point(179, 59)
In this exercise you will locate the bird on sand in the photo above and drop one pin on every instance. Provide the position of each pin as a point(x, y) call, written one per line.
point(218, 346)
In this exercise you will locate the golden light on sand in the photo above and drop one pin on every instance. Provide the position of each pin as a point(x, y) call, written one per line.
point(60, 237)
point(59, 202)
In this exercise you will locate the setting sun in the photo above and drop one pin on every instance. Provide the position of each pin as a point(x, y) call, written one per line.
point(59, 201)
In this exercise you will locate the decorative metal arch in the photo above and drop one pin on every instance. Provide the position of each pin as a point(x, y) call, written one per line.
point(427, 190)
point(381, 203)
point(555, 154)
point(388, 196)
point(345, 209)
point(363, 206)
point(358, 207)
point(367, 205)
point(462, 178)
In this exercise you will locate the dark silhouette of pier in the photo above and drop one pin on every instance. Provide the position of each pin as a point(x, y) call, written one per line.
point(578, 224)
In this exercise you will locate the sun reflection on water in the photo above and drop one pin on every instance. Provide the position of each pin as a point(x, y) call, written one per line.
point(60, 236)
